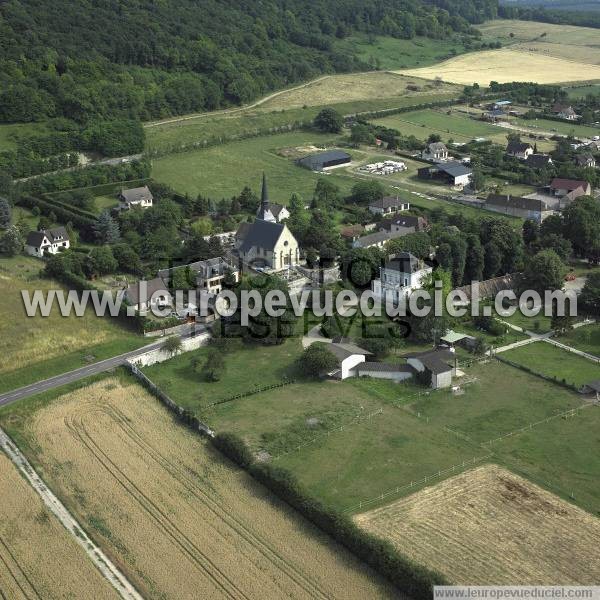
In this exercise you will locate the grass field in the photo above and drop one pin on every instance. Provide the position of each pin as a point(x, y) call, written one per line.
point(583, 91)
point(147, 487)
point(580, 44)
point(44, 346)
point(38, 557)
point(450, 124)
point(393, 53)
point(223, 171)
point(586, 338)
point(564, 128)
point(552, 361)
point(489, 526)
point(505, 66)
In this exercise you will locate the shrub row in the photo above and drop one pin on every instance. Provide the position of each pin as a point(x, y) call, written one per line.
point(410, 578)
point(81, 220)
point(374, 114)
point(103, 189)
point(563, 382)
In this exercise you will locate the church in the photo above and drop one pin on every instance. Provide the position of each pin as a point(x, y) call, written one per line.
point(265, 243)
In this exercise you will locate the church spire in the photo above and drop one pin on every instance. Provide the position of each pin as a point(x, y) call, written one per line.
point(264, 211)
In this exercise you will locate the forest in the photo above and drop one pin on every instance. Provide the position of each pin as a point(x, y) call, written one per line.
point(117, 59)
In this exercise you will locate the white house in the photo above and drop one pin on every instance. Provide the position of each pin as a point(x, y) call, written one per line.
point(141, 196)
point(435, 151)
point(388, 205)
point(47, 241)
point(518, 149)
point(437, 363)
point(399, 277)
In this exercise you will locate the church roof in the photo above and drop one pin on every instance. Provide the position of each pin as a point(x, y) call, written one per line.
point(262, 234)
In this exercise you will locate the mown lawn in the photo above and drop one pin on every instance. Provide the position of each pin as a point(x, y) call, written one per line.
point(586, 338)
point(563, 128)
point(552, 361)
point(223, 171)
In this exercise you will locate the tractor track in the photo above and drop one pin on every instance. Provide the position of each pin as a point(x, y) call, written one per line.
point(269, 553)
point(25, 577)
point(178, 538)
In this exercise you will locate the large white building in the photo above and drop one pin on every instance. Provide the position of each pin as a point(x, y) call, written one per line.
point(401, 275)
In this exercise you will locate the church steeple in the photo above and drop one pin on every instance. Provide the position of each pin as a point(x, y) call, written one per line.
point(264, 212)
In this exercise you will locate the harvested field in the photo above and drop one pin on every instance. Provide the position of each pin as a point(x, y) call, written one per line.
point(489, 526)
point(38, 558)
point(505, 66)
point(172, 513)
point(333, 89)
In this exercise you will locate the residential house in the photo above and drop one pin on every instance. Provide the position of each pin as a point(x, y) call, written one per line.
point(349, 356)
point(379, 238)
point(585, 160)
point(266, 243)
point(564, 111)
point(519, 149)
point(402, 223)
point(47, 241)
point(208, 275)
point(135, 197)
point(435, 151)
point(570, 189)
point(388, 205)
point(399, 276)
point(518, 206)
point(453, 173)
point(146, 295)
point(538, 161)
point(438, 364)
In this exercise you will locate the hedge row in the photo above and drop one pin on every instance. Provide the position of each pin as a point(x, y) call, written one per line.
point(562, 382)
point(103, 189)
point(410, 578)
point(404, 109)
point(83, 222)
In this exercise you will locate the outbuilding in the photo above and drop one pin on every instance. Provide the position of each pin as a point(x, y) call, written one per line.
point(323, 161)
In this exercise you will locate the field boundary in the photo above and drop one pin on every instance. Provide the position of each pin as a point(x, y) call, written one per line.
point(123, 586)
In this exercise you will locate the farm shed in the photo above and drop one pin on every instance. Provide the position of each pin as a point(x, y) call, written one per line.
point(379, 370)
point(325, 160)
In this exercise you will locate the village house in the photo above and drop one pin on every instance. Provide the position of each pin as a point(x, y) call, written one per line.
point(403, 223)
point(519, 149)
point(388, 205)
point(439, 366)
point(266, 244)
point(564, 111)
point(135, 197)
point(435, 151)
point(585, 161)
point(538, 161)
point(453, 173)
point(206, 275)
point(401, 275)
point(517, 206)
point(379, 238)
point(47, 241)
point(146, 295)
point(570, 189)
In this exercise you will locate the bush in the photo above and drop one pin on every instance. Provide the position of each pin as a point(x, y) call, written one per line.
point(316, 360)
point(234, 448)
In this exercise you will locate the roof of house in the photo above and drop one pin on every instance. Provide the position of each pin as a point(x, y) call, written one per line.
point(559, 107)
point(437, 147)
point(352, 231)
point(568, 184)
point(455, 169)
point(519, 202)
point(262, 234)
point(538, 161)
point(276, 209)
point(152, 286)
point(316, 161)
point(489, 288)
point(35, 238)
point(135, 195)
point(584, 159)
point(515, 147)
point(387, 202)
point(203, 268)
point(403, 262)
point(437, 360)
point(452, 337)
point(378, 367)
point(380, 236)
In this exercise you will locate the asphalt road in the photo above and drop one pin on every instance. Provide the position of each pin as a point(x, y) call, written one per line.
point(77, 374)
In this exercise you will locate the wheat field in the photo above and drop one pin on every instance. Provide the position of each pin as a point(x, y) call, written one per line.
point(504, 66)
point(490, 527)
point(38, 558)
point(173, 514)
